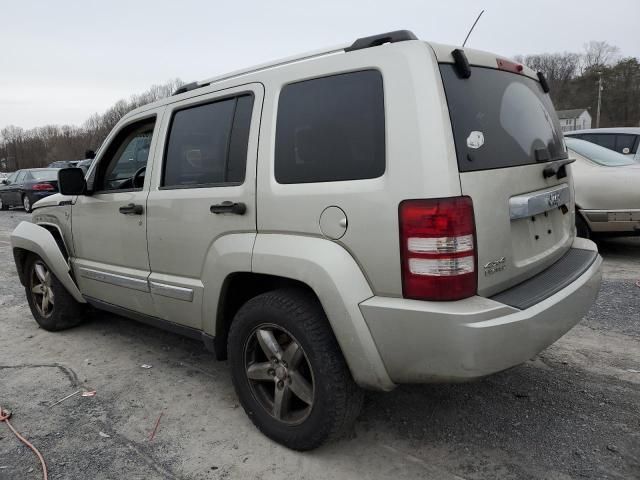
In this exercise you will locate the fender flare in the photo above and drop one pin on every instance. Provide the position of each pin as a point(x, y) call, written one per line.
point(335, 277)
point(28, 237)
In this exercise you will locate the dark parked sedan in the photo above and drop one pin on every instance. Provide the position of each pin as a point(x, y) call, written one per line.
point(25, 187)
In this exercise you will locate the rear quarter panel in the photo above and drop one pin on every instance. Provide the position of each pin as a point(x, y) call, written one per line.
point(420, 159)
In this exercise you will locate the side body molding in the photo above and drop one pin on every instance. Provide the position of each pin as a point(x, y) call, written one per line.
point(33, 238)
point(338, 282)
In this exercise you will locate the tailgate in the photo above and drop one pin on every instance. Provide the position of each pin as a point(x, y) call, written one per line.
point(506, 133)
point(521, 225)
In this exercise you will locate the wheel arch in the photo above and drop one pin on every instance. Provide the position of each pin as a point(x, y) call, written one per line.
point(327, 269)
point(28, 238)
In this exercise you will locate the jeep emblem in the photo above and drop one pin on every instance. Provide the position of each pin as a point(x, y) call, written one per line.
point(554, 199)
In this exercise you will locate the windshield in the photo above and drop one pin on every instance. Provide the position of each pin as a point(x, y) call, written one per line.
point(500, 119)
point(597, 154)
point(44, 175)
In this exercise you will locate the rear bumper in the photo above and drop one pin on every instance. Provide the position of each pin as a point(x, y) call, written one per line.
point(424, 342)
point(613, 221)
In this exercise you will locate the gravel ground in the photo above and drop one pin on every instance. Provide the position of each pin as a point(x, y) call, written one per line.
point(571, 412)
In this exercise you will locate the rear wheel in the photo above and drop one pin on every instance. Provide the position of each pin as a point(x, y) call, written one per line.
point(26, 203)
point(288, 371)
point(582, 229)
point(51, 305)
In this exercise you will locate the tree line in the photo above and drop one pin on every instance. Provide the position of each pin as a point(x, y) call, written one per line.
point(40, 146)
point(572, 77)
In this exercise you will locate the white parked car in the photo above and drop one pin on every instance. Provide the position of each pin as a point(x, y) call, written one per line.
point(366, 216)
point(607, 189)
point(624, 140)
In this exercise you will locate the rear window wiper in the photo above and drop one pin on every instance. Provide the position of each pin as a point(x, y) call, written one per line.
point(557, 168)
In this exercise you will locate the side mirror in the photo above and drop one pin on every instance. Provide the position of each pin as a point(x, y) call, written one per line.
point(5, 182)
point(71, 181)
point(89, 154)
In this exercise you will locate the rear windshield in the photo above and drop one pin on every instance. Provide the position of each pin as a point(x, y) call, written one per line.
point(596, 153)
point(500, 119)
point(44, 175)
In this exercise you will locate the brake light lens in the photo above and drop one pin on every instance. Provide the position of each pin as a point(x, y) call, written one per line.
point(43, 186)
point(509, 66)
point(438, 249)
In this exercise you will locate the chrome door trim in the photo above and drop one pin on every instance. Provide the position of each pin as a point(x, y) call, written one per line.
point(530, 204)
point(114, 279)
point(171, 291)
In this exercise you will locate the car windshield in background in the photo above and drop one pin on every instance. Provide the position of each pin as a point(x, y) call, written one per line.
point(500, 119)
point(597, 154)
point(44, 175)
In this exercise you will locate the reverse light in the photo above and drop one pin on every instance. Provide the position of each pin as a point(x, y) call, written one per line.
point(437, 247)
point(43, 186)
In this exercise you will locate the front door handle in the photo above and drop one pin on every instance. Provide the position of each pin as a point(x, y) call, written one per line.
point(132, 209)
point(229, 207)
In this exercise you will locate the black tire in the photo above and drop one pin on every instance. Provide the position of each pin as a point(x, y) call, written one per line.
point(26, 203)
point(336, 399)
point(582, 229)
point(64, 312)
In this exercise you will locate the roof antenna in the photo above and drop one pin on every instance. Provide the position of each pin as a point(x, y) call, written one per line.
point(471, 30)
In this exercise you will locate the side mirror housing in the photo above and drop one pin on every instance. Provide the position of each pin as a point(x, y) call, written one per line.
point(5, 182)
point(71, 181)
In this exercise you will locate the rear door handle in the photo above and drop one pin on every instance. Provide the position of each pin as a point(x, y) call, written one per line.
point(132, 209)
point(229, 207)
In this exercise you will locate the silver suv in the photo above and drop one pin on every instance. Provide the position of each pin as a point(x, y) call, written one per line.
point(391, 211)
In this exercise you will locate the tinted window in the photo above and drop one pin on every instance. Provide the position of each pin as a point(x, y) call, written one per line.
point(500, 119)
point(625, 142)
point(596, 153)
point(605, 140)
point(331, 129)
point(126, 155)
point(208, 144)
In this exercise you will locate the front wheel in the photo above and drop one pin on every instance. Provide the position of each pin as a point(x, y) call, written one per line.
point(289, 372)
point(26, 203)
point(51, 305)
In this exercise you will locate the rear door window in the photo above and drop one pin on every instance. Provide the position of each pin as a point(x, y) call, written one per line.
point(331, 129)
point(500, 119)
point(605, 140)
point(208, 144)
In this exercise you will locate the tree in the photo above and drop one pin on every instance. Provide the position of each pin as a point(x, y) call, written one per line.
point(598, 54)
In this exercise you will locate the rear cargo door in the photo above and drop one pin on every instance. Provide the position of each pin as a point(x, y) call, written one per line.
point(506, 133)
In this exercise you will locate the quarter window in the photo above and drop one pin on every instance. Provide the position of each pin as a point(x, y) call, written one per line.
point(208, 144)
point(331, 129)
point(624, 143)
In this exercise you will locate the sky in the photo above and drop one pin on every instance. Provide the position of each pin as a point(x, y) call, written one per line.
point(60, 62)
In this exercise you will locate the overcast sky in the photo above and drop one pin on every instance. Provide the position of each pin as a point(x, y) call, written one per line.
point(62, 61)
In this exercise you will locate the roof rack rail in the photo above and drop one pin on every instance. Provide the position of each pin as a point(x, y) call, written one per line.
point(380, 39)
point(188, 87)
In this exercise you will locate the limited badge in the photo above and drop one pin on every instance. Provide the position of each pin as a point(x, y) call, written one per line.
point(475, 140)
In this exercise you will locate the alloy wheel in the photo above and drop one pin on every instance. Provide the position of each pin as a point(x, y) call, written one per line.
point(41, 288)
point(26, 203)
point(279, 374)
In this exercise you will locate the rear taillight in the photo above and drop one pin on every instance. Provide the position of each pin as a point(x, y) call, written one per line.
point(43, 186)
point(438, 249)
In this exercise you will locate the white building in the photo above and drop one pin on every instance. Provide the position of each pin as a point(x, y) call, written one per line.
point(576, 119)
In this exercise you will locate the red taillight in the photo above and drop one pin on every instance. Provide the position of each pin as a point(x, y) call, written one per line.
point(43, 186)
point(509, 66)
point(438, 249)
